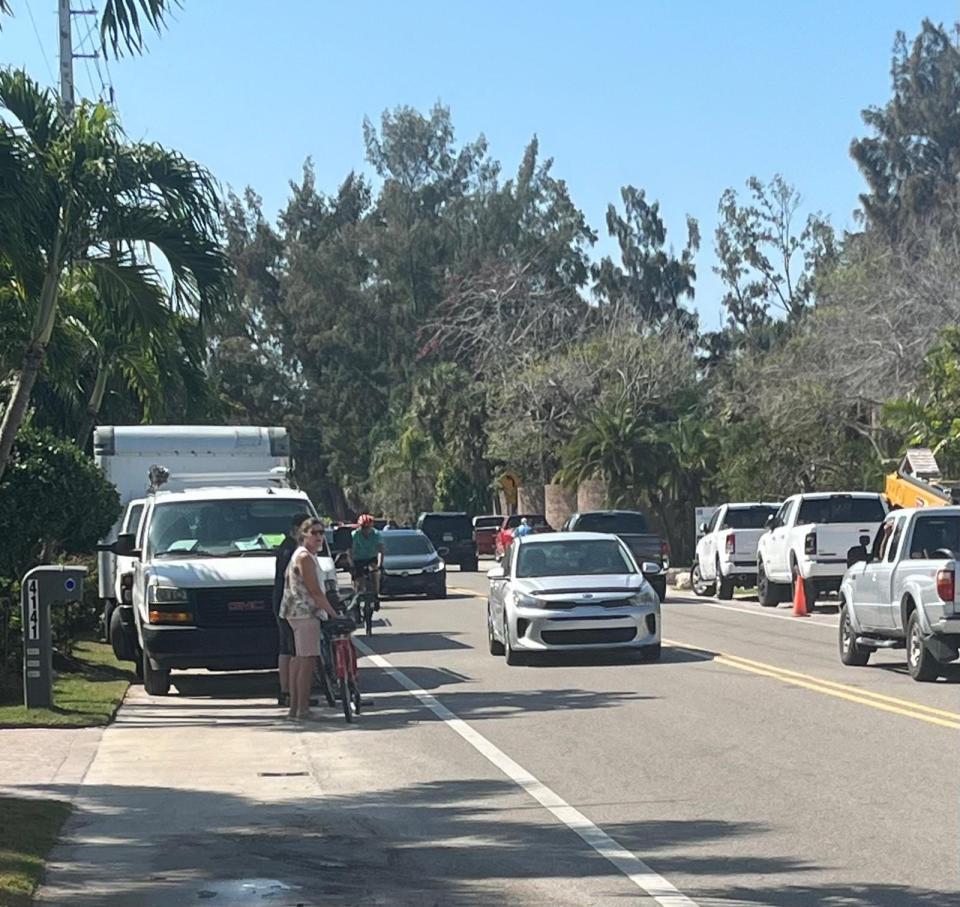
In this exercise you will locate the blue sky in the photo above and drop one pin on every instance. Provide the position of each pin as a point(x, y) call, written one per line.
point(682, 99)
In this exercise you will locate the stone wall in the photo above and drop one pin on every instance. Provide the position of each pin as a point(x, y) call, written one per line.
point(592, 495)
point(558, 504)
point(530, 499)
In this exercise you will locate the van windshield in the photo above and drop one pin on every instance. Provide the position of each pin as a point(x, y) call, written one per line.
point(220, 528)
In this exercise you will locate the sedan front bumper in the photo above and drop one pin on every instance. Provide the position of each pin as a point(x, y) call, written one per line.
point(591, 627)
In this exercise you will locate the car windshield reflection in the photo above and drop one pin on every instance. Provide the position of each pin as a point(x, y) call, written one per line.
point(573, 558)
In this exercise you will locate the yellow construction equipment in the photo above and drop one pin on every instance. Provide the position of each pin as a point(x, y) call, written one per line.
point(919, 483)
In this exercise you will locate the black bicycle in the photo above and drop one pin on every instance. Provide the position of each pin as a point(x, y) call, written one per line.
point(365, 600)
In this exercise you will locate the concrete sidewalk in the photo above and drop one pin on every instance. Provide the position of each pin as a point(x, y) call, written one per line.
point(46, 761)
point(213, 797)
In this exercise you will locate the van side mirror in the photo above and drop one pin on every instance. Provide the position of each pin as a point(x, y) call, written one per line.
point(443, 552)
point(495, 573)
point(771, 522)
point(125, 545)
point(703, 528)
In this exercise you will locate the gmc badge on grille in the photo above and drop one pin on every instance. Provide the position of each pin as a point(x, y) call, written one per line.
point(245, 606)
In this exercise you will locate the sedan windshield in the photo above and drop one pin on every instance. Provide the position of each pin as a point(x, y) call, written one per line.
point(406, 545)
point(221, 528)
point(573, 558)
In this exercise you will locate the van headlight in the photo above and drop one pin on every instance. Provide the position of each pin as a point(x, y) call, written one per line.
point(434, 568)
point(166, 595)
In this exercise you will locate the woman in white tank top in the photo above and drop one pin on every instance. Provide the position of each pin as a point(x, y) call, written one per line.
point(302, 604)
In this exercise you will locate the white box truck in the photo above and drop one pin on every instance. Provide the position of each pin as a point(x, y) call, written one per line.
point(210, 456)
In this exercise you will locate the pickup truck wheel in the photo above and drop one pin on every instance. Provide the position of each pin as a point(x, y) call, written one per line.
point(660, 587)
point(724, 585)
point(767, 593)
point(809, 587)
point(156, 682)
point(920, 662)
point(850, 653)
point(699, 585)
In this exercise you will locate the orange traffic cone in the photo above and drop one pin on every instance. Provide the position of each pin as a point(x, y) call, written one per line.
point(799, 598)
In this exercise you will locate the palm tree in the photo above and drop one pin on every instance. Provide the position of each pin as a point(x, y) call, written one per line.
point(122, 22)
point(75, 194)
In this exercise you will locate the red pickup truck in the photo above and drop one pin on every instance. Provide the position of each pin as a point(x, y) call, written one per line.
point(485, 530)
point(505, 534)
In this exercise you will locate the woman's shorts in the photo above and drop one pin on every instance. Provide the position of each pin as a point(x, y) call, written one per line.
point(306, 635)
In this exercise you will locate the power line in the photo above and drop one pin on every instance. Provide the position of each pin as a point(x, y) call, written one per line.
point(42, 49)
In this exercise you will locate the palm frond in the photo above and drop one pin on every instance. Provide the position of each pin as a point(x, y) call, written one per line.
point(32, 106)
point(123, 23)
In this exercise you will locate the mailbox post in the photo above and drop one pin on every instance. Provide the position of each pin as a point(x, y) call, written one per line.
point(40, 588)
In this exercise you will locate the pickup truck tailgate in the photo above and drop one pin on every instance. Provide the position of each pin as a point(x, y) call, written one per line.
point(835, 539)
point(644, 547)
point(744, 544)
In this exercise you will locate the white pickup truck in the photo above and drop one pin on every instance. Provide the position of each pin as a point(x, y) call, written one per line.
point(727, 548)
point(902, 592)
point(809, 538)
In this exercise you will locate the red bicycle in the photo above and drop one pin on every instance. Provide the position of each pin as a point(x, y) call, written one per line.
point(342, 665)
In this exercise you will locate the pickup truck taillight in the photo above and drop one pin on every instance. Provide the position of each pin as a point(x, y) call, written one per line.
point(731, 544)
point(665, 553)
point(810, 543)
point(946, 585)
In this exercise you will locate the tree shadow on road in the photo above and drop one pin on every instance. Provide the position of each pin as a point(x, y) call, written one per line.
point(459, 842)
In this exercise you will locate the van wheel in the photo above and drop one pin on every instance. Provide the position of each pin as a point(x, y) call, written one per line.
point(155, 681)
point(920, 662)
point(850, 653)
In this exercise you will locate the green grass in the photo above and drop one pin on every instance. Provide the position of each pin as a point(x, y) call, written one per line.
point(85, 694)
point(28, 829)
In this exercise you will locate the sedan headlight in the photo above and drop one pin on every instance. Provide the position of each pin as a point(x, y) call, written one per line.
point(166, 595)
point(434, 568)
point(526, 601)
point(645, 598)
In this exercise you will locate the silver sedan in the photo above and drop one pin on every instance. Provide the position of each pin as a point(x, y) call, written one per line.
point(571, 591)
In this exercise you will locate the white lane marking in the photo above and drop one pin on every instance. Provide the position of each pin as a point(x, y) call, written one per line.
point(648, 881)
point(799, 621)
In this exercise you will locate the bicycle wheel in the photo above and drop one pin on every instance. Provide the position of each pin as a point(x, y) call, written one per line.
point(323, 681)
point(345, 696)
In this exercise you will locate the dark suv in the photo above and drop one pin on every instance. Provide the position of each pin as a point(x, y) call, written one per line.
point(453, 531)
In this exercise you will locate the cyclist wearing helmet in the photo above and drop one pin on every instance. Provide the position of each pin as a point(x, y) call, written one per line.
point(366, 552)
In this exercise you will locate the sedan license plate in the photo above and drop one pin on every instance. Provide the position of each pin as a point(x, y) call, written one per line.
point(448, 536)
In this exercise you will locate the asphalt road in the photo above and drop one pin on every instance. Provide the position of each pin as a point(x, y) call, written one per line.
point(747, 767)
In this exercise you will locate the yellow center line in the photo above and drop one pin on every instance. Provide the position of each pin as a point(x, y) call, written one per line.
point(457, 591)
point(906, 708)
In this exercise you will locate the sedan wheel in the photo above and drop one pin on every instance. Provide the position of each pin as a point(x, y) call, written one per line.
point(494, 644)
point(699, 585)
point(514, 657)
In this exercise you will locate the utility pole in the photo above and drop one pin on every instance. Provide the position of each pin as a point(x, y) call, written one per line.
point(67, 99)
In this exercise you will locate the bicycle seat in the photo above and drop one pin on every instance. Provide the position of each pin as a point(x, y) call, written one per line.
point(339, 626)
